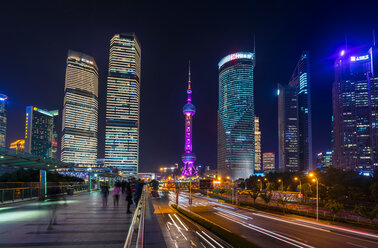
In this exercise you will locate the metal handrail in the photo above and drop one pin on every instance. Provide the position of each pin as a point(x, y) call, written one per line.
point(137, 221)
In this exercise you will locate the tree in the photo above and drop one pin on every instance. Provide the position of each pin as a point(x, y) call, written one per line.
point(254, 194)
point(281, 201)
point(334, 206)
point(374, 191)
point(154, 184)
point(266, 196)
point(365, 212)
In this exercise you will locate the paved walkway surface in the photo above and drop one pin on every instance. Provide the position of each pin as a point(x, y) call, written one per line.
point(81, 221)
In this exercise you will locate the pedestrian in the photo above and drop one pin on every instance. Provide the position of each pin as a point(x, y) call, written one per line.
point(138, 191)
point(123, 185)
point(104, 194)
point(129, 196)
point(116, 193)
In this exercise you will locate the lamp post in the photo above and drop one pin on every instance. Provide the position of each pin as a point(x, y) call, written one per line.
point(260, 184)
point(300, 185)
point(281, 181)
point(315, 179)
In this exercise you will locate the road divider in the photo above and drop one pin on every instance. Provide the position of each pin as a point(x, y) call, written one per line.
point(231, 238)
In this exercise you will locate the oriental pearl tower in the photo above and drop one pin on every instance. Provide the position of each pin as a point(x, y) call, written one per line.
point(188, 157)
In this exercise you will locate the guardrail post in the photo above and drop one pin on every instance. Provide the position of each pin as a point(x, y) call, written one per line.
point(13, 195)
point(89, 182)
point(2, 196)
point(43, 185)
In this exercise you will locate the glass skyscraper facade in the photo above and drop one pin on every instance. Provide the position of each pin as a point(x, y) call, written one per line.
point(236, 116)
point(123, 104)
point(3, 119)
point(80, 110)
point(355, 111)
point(39, 131)
point(294, 120)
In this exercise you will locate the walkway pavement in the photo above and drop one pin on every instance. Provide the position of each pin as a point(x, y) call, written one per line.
point(81, 221)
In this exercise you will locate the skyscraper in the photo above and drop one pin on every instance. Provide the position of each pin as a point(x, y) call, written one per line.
point(39, 130)
point(355, 110)
point(294, 119)
point(236, 116)
point(269, 162)
point(3, 119)
point(288, 150)
point(188, 158)
point(301, 81)
point(123, 103)
point(80, 110)
point(257, 145)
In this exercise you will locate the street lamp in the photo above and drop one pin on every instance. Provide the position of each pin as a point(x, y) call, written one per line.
point(300, 184)
point(281, 181)
point(260, 184)
point(315, 179)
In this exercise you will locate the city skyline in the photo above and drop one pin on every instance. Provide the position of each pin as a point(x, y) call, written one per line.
point(207, 85)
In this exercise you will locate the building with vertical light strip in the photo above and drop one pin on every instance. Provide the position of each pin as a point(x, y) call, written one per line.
point(39, 131)
point(236, 116)
point(80, 110)
point(3, 119)
point(257, 145)
point(123, 103)
point(294, 120)
point(355, 111)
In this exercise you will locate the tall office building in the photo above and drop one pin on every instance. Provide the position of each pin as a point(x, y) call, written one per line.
point(269, 162)
point(355, 110)
point(3, 119)
point(257, 145)
point(80, 110)
point(39, 131)
point(123, 103)
point(236, 116)
point(295, 130)
point(288, 150)
point(324, 160)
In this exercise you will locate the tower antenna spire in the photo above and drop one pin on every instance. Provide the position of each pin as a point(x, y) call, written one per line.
point(254, 43)
point(373, 37)
point(189, 77)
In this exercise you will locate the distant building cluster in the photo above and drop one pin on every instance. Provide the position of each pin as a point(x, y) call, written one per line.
point(239, 150)
point(79, 142)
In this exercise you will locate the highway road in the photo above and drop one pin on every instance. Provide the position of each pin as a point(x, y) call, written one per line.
point(270, 230)
point(179, 232)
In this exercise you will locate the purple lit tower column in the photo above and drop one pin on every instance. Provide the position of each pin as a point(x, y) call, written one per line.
point(188, 157)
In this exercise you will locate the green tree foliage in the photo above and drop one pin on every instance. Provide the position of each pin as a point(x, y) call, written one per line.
point(369, 213)
point(154, 184)
point(334, 206)
point(374, 192)
point(266, 196)
point(254, 194)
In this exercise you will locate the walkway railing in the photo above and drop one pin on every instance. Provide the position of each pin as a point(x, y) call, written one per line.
point(10, 195)
point(135, 236)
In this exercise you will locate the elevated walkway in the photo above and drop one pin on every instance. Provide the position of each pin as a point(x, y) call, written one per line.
point(81, 221)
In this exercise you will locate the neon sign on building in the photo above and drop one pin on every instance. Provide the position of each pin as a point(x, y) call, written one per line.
point(240, 55)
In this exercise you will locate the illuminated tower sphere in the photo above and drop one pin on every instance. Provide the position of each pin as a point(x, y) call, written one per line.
point(188, 158)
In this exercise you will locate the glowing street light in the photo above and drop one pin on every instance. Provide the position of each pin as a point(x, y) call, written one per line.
point(300, 184)
point(315, 179)
point(280, 181)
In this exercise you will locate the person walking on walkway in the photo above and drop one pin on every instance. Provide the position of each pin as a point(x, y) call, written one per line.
point(116, 193)
point(129, 196)
point(138, 191)
point(104, 194)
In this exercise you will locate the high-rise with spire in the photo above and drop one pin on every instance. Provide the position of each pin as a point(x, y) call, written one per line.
point(188, 158)
point(123, 104)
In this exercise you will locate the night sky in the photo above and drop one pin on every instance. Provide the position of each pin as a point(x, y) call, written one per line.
point(35, 38)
